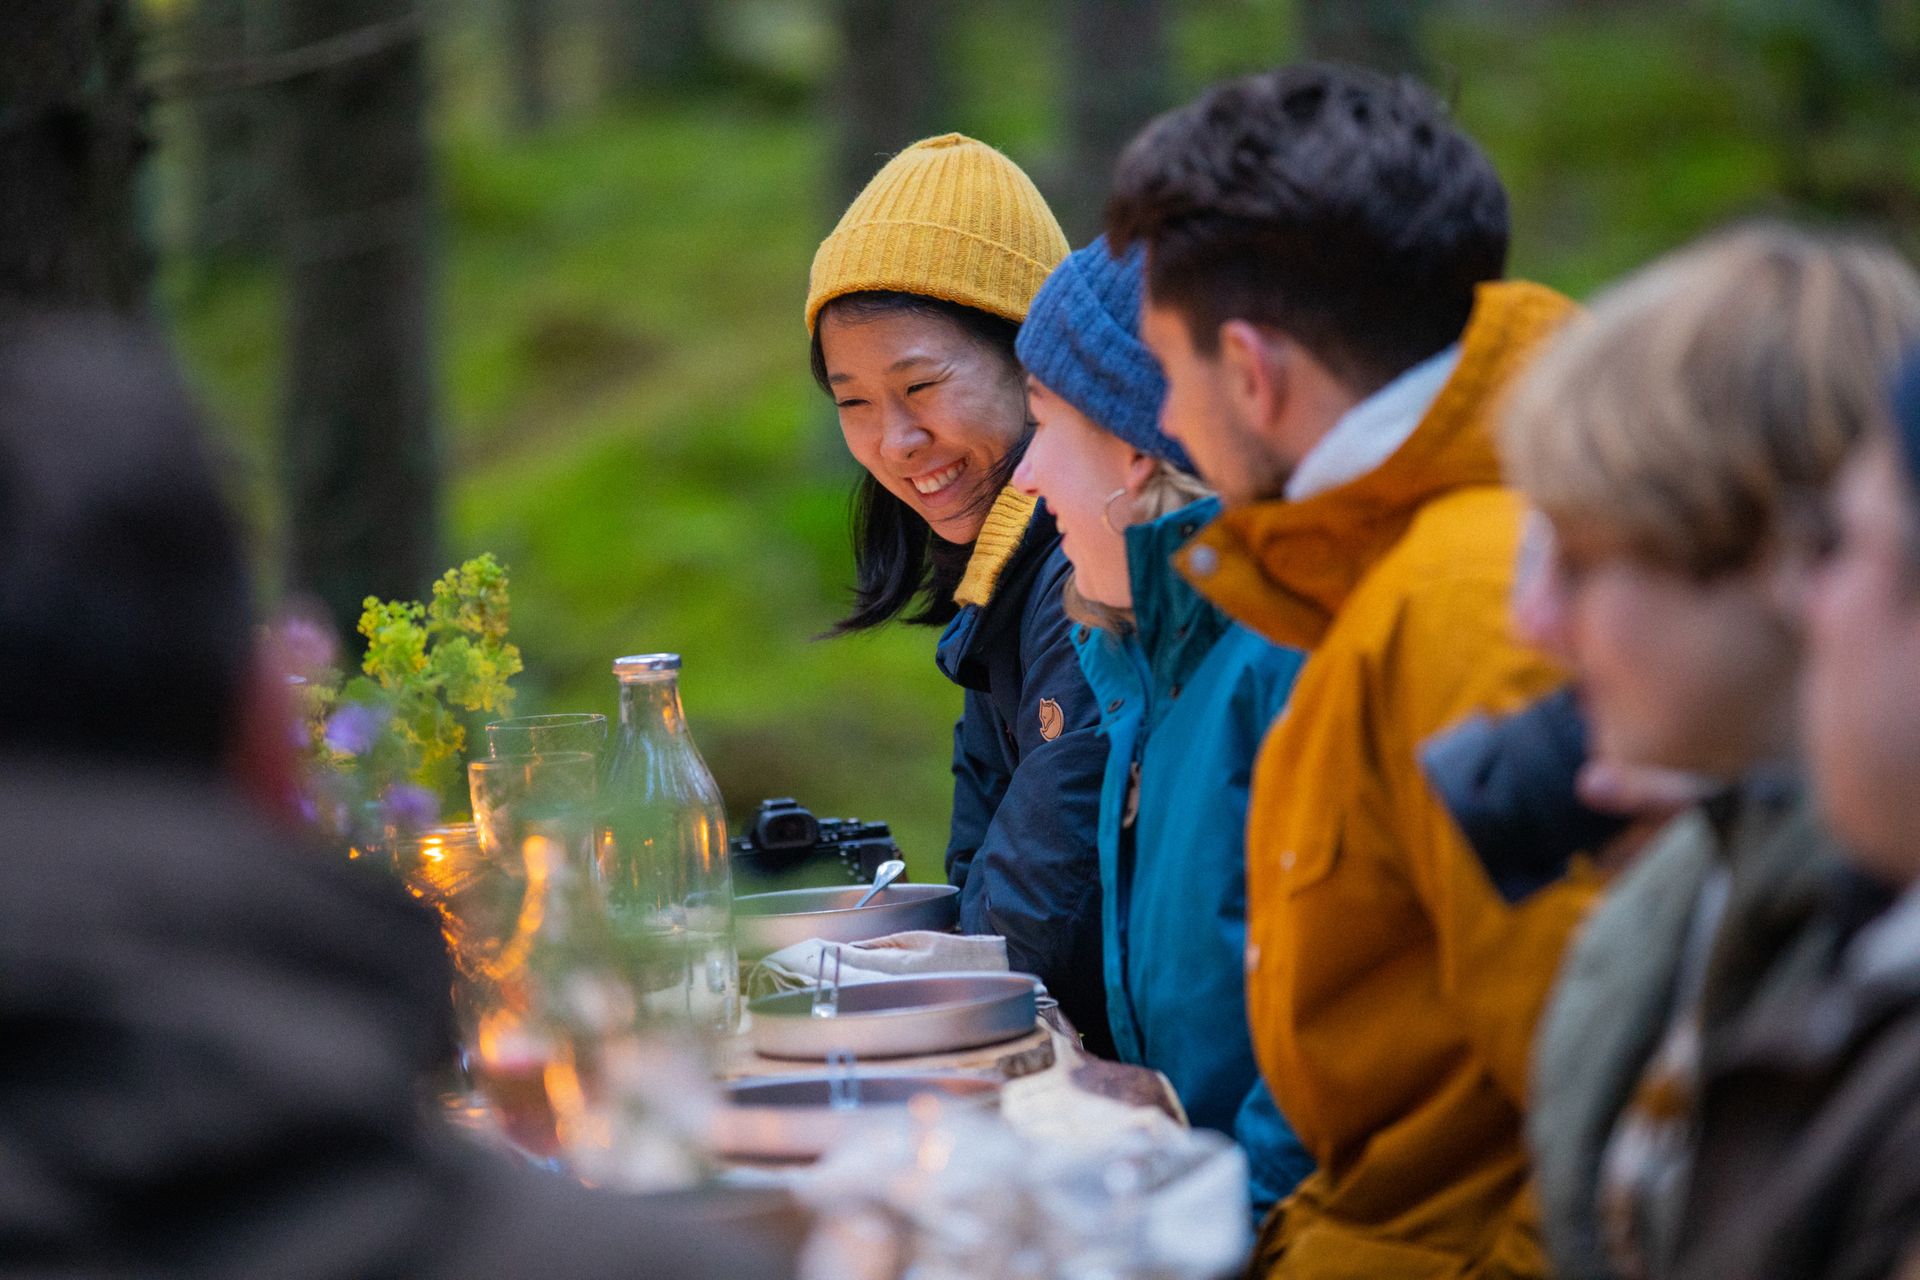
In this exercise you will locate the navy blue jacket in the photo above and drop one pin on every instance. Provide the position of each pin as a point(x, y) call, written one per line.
point(1509, 782)
point(1027, 765)
point(1186, 698)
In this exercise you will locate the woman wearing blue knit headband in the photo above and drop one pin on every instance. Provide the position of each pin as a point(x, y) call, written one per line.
point(1185, 697)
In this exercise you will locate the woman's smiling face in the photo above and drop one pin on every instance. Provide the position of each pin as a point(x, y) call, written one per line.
point(927, 408)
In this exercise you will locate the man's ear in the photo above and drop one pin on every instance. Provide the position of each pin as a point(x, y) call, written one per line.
point(1253, 369)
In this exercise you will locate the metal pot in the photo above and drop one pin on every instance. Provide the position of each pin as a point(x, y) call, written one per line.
point(766, 922)
point(899, 1017)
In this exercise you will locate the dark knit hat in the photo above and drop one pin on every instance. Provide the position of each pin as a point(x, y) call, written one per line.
point(1081, 339)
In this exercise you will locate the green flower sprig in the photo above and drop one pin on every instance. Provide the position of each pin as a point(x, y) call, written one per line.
point(426, 661)
point(388, 742)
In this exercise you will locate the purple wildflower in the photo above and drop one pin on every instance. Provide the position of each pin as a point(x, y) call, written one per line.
point(407, 807)
point(307, 648)
point(352, 729)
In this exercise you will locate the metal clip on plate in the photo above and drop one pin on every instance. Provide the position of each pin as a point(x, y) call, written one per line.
point(826, 997)
point(843, 1081)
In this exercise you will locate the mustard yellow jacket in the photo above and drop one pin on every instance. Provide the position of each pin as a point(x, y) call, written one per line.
point(1392, 993)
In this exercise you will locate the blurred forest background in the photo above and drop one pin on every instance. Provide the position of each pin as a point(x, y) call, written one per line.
point(525, 276)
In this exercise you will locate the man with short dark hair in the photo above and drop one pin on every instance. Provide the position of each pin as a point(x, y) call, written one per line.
point(1324, 252)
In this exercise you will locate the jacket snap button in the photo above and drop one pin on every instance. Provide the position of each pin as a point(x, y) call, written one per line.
point(1116, 704)
point(1287, 860)
point(1253, 957)
point(1204, 560)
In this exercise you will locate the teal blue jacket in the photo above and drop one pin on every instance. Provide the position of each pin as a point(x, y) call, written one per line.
point(1185, 699)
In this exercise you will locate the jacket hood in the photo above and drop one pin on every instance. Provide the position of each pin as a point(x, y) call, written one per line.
point(1285, 568)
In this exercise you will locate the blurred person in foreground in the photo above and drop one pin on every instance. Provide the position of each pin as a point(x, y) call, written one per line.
point(1185, 695)
point(1676, 438)
point(212, 1034)
point(1811, 1117)
point(1323, 290)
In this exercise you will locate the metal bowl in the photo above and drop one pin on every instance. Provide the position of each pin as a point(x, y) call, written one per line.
point(793, 1117)
point(899, 1017)
point(766, 922)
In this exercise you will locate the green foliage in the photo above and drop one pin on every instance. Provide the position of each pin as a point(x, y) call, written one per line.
point(1215, 39)
point(1623, 132)
point(630, 422)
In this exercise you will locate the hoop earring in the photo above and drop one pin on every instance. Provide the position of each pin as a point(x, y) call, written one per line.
point(1106, 511)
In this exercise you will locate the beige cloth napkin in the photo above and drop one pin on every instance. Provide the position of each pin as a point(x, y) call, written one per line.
point(916, 951)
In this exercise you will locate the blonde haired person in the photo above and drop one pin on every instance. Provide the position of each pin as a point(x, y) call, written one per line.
point(1676, 438)
point(1185, 696)
point(1164, 489)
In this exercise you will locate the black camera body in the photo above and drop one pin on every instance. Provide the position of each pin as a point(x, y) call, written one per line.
point(789, 848)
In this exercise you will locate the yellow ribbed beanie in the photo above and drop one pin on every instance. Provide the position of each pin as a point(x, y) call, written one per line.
point(948, 218)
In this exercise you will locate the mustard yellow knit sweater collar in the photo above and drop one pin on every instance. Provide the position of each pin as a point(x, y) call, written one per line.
point(999, 538)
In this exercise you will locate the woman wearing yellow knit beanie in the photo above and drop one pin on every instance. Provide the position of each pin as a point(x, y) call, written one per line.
point(912, 306)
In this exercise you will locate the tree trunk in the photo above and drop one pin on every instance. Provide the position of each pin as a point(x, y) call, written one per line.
point(527, 22)
point(657, 46)
point(1117, 78)
point(892, 87)
point(361, 450)
point(230, 209)
point(1382, 34)
point(73, 130)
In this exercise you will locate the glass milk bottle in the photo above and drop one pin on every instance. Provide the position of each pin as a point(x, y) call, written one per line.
point(663, 852)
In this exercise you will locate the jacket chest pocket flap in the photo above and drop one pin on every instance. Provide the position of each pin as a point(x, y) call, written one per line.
point(1307, 850)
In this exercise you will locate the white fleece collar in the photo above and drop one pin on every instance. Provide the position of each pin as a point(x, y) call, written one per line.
point(1367, 434)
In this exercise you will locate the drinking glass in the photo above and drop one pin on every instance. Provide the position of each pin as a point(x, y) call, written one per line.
point(573, 1068)
point(561, 733)
point(445, 868)
point(514, 1041)
point(511, 793)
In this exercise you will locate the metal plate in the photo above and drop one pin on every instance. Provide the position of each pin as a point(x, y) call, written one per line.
point(766, 922)
point(899, 1017)
point(789, 1117)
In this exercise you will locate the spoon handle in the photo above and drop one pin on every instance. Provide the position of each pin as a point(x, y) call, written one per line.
point(886, 874)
